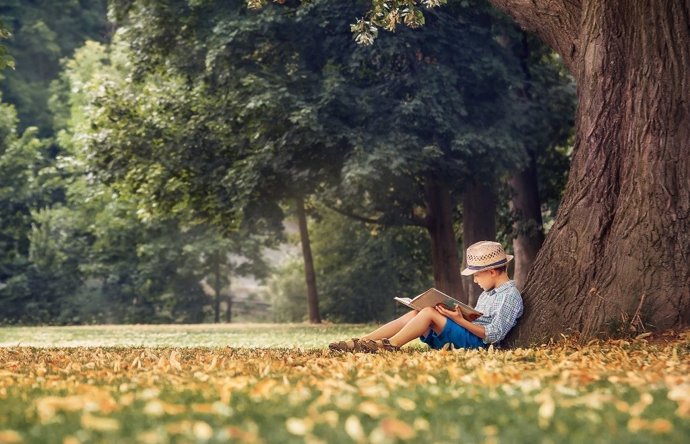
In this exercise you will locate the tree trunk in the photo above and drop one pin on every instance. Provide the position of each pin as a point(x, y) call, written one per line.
point(527, 222)
point(478, 224)
point(617, 256)
point(217, 287)
point(228, 309)
point(310, 276)
point(444, 246)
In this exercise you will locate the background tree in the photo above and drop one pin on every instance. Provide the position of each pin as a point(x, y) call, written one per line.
point(6, 61)
point(413, 169)
point(44, 32)
point(325, 87)
point(452, 122)
point(549, 88)
point(182, 250)
point(362, 267)
point(22, 190)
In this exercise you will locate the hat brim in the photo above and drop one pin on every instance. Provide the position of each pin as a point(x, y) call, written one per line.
point(470, 271)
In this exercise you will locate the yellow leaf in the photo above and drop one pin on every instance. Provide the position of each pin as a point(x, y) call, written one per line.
point(546, 410)
point(174, 363)
point(330, 417)
point(148, 437)
point(49, 406)
point(263, 388)
point(202, 431)
point(203, 408)
point(98, 423)
point(213, 363)
point(203, 377)
point(656, 426)
point(354, 429)
point(406, 404)
point(10, 437)
point(394, 428)
point(372, 409)
point(298, 426)
point(154, 408)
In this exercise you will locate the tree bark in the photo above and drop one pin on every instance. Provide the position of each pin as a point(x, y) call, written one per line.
point(617, 256)
point(228, 310)
point(478, 223)
point(527, 221)
point(444, 246)
point(557, 22)
point(217, 287)
point(309, 274)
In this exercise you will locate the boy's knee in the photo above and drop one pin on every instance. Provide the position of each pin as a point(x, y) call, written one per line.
point(428, 311)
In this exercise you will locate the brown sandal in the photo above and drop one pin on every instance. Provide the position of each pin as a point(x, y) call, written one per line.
point(351, 345)
point(373, 346)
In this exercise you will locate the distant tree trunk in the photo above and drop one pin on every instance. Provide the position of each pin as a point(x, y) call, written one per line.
point(527, 221)
point(444, 245)
point(228, 309)
point(478, 223)
point(216, 287)
point(309, 274)
point(616, 258)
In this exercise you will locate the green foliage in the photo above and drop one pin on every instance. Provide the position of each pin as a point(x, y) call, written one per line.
point(44, 32)
point(6, 61)
point(389, 14)
point(436, 104)
point(287, 292)
point(241, 124)
point(360, 268)
point(25, 186)
point(100, 256)
point(301, 108)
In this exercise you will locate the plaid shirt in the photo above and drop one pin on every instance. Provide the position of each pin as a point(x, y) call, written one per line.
point(501, 307)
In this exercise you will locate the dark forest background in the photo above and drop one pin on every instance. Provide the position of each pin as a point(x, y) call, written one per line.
point(181, 161)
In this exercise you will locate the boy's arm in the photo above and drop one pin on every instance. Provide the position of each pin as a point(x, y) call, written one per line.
point(456, 315)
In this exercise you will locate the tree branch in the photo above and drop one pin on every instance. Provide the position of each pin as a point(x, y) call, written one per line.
point(556, 22)
point(417, 222)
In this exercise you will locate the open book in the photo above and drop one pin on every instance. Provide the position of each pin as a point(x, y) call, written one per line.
point(433, 297)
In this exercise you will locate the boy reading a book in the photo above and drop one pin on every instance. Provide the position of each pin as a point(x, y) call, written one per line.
point(500, 304)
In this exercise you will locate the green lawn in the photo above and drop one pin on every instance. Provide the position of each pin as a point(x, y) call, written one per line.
point(183, 384)
point(195, 335)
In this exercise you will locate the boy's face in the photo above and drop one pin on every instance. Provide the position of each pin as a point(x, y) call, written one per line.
point(485, 279)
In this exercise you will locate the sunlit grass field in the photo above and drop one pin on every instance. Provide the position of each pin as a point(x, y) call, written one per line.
point(190, 335)
point(278, 383)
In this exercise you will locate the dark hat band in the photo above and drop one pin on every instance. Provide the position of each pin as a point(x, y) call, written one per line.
point(495, 264)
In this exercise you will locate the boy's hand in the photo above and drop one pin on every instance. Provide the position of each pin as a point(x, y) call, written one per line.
point(452, 314)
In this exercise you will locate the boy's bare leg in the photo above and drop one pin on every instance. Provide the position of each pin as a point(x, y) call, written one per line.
point(419, 325)
point(391, 328)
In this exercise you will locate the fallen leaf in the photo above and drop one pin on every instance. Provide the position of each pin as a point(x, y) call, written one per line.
point(99, 423)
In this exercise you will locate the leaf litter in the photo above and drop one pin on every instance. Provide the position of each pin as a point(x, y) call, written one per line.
point(630, 391)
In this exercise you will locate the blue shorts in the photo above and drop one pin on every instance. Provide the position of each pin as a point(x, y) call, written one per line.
point(454, 334)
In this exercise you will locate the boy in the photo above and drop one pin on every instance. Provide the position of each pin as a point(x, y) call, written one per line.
point(500, 303)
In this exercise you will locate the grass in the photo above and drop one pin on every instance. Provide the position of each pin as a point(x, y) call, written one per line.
point(193, 335)
point(157, 384)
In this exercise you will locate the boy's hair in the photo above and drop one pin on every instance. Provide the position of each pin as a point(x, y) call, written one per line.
point(502, 269)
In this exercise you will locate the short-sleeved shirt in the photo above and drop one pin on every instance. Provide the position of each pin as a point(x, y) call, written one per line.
point(501, 307)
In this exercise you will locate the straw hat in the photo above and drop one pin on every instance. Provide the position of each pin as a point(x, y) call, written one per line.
point(485, 255)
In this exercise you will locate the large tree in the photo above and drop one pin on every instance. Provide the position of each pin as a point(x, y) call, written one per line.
point(617, 254)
